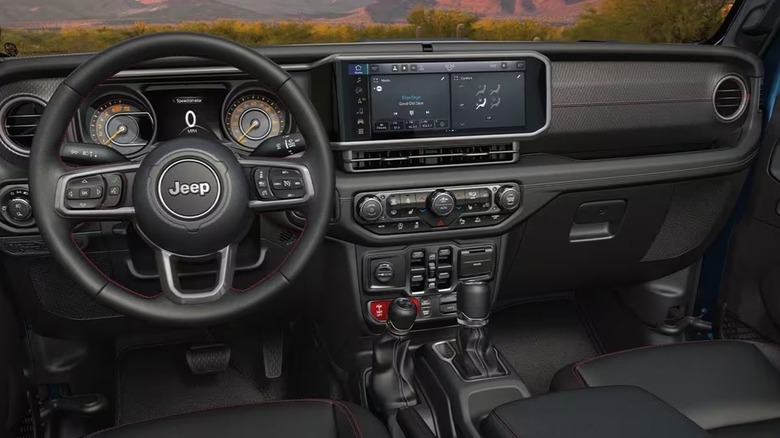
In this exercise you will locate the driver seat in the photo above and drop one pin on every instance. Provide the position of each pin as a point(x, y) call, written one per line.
point(288, 419)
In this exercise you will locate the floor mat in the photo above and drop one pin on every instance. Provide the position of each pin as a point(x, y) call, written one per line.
point(153, 379)
point(539, 338)
point(155, 382)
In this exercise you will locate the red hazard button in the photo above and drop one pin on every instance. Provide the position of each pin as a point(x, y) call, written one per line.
point(378, 309)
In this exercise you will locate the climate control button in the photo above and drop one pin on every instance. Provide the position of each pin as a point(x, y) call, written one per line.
point(441, 203)
point(370, 208)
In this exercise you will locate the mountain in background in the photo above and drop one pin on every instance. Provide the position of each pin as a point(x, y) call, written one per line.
point(561, 11)
point(56, 13)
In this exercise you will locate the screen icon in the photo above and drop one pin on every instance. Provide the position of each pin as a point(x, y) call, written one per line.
point(357, 69)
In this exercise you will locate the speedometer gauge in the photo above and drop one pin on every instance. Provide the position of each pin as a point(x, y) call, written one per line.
point(121, 123)
point(253, 117)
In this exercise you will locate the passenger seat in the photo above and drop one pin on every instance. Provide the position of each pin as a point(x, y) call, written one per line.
point(730, 388)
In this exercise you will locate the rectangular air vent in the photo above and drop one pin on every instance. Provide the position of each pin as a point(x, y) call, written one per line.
point(378, 160)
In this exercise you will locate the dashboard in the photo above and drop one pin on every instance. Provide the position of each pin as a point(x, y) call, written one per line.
point(542, 166)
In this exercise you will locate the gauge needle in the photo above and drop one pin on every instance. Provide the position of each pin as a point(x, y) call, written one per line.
point(255, 123)
point(121, 129)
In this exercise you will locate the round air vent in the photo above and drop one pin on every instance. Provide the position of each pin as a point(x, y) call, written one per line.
point(730, 98)
point(19, 118)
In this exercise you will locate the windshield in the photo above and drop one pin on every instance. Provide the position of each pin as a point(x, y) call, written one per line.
point(39, 27)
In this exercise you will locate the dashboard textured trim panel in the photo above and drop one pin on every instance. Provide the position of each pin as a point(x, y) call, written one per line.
point(635, 104)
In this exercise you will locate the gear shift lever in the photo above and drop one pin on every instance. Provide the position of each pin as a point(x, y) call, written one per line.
point(392, 374)
point(476, 357)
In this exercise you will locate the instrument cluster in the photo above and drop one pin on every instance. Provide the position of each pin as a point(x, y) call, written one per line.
point(133, 118)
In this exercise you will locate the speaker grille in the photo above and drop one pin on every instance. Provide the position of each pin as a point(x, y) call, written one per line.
point(58, 294)
point(695, 208)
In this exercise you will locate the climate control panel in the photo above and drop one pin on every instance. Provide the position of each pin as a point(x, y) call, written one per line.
point(435, 209)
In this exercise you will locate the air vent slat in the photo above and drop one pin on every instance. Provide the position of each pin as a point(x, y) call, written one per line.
point(378, 160)
point(20, 116)
point(730, 98)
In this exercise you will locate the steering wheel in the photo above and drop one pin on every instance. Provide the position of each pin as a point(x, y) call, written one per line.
point(190, 199)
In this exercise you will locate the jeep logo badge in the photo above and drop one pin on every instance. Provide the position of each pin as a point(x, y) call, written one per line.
point(185, 189)
point(189, 189)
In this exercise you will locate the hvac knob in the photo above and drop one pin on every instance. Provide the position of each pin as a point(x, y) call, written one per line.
point(508, 198)
point(441, 203)
point(370, 208)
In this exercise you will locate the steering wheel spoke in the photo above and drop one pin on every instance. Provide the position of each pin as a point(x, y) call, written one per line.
point(96, 192)
point(278, 184)
point(170, 275)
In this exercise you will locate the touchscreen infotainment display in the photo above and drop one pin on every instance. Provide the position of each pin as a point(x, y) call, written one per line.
point(397, 100)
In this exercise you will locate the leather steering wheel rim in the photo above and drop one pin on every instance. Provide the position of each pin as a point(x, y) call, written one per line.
point(46, 169)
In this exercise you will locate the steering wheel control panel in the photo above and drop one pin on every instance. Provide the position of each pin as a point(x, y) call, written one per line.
point(94, 192)
point(435, 209)
point(16, 207)
point(429, 274)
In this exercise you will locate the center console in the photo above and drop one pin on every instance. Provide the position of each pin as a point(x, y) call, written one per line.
point(435, 246)
point(429, 274)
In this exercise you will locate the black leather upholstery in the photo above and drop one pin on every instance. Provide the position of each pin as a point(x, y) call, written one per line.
point(392, 373)
point(477, 358)
point(286, 419)
point(717, 384)
point(618, 411)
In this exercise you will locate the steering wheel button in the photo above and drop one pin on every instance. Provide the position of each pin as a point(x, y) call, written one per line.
point(260, 175)
point(287, 183)
point(265, 194)
point(84, 204)
point(277, 173)
point(85, 193)
point(114, 191)
point(291, 194)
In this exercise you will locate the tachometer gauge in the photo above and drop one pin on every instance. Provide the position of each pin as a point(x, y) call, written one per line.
point(253, 117)
point(121, 123)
